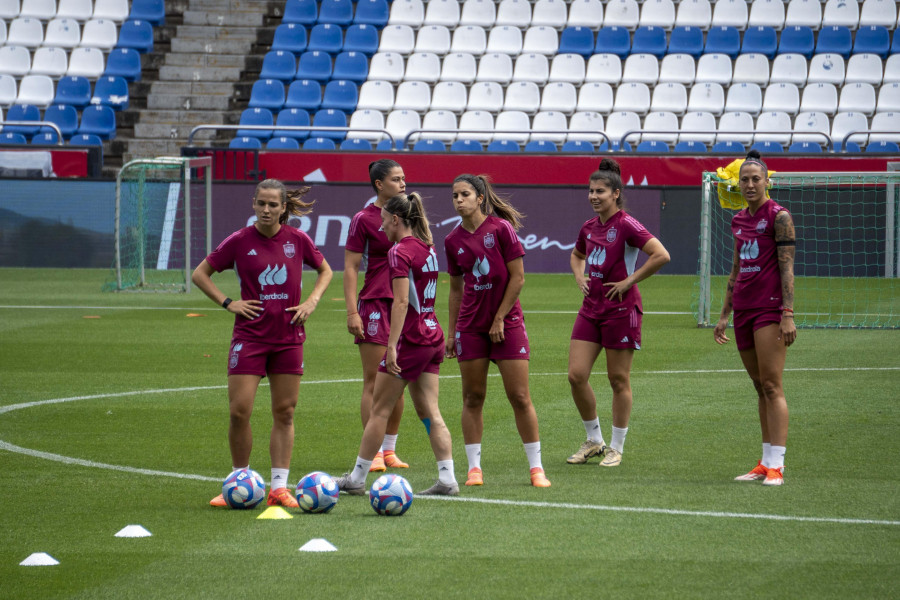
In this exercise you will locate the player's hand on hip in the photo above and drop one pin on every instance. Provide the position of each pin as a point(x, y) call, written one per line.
point(249, 309)
point(301, 313)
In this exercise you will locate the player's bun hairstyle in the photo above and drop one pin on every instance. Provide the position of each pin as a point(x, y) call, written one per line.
point(380, 169)
point(292, 199)
point(610, 173)
point(411, 211)
point(755, 158)
point(491, 203)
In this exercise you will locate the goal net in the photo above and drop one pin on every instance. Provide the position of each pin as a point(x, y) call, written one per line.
point(163, 223)
point(847, 262)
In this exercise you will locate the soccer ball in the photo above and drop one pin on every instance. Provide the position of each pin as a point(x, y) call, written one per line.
point(244, 488)
point(317, 492)
point(391, 495)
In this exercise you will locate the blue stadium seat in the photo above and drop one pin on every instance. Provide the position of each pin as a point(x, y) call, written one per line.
point(23, 112)
point(686, 40)
point(873, 39)
point(245, 143)
point(613, 40)
point(7, 138)
point(541, 147)
point(503, 146)
point(578, 146)
point(267, 93)
point(372, 12)
point(760, 40)
point(326, 37)
point(805, 147)
point(429, 145)
point(649, 40)
point(577, 40)
point(45, 139)
point(85, 139)
point(358, 144)
point(361, 37)
point(63, 116)
point(723, 40)
point(351, 66)
point(304, 12)
point(290, 37)
point(338, 12)
point(125, 63)
point(768, 147)
point(111, 91)
point(690, 147)
point(895, 42)
point(328, 117)
point(835, 40)
point(283, 143)
point(652, 147)
point(341, 95)
point(797, 40)
point(314, 65)
point(305, 94)
point(153, 11)
point(75, 91)
point(279, 64)
point(256, 117)
point(466, 146)
point(385, 145)
point(100, 121)
point(137, 35)
point(882, 146)
point(729, 146)
point(606, 147)
point(319, 143)
point(292, 117)
point(850, 147)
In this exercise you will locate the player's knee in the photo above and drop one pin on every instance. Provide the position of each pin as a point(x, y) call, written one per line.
point(770, 388)
point(619, 383)
point(578, 378)
point(520, 400)
point(474, 399)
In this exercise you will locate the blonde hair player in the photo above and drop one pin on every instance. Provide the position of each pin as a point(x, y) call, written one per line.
point(760, 291)
point(369, 313)
point(610, 316)
point(415, 347)
point(269, 323)
point(484, 260)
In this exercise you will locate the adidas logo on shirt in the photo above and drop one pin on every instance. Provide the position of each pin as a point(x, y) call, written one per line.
point(460, 251)
point(624, 340)
point(251, 253)
point(523, 350)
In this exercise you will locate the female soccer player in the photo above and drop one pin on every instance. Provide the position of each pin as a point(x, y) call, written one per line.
point(484, 260)
point(760, 291)
point(415, 346)
point(268, 337)
point(610, 315)
point(368, 318)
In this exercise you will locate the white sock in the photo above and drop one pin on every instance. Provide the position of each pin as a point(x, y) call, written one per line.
point(592, 429)
point(473, 453)
point(776, 457)
point(360, 470)
point(767, 453)
point(233, 469)
point(533, 452)
point(445, 471)
point(618, 438)
point(389, 444)
point(279, 478)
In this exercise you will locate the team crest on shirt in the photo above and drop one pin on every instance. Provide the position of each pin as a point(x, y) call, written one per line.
point(233, 361)
point(489, 240)
point(761, 226)
point(611, 235)
point(289, 250)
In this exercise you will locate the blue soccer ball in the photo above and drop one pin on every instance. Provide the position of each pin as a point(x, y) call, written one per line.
point(317, 492)
point(391, 495)
point(244, 488)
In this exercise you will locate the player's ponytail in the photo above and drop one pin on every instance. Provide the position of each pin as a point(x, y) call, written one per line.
point(491, 203)
point(411, 210)
point(610, 173)
point(292, 199)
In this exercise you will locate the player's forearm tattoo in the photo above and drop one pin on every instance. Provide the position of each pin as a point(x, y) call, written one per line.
point(784, 241)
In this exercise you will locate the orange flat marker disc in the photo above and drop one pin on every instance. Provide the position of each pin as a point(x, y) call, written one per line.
point(195, 315)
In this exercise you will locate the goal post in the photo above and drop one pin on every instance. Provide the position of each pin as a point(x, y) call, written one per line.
point(163, 223)
point(847, 261)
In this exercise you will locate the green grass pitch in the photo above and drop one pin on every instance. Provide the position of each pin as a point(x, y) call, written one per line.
point(146, 389)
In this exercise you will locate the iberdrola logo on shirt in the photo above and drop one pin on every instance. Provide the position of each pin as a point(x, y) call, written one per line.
point(273, 275)
point(482, 267)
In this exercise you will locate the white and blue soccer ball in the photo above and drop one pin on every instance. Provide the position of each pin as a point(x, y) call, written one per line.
point(391, 495)
point(244, 488)
point(317, 492)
